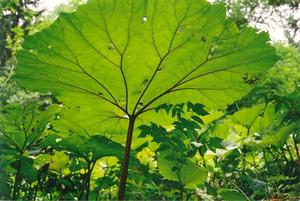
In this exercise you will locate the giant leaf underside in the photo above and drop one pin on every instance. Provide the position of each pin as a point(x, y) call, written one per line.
point(113, 57)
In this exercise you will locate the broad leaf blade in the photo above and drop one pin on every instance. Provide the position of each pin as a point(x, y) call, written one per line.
point(117, 57)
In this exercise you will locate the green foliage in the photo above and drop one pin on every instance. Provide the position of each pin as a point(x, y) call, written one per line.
point(22, 128)
point(176, 70)
point(267, 14)
point(177, 57)
point(16, 17)
point(284, 76)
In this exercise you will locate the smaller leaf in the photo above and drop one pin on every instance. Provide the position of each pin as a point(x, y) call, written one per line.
point(197, 108)
point(145, 130)
point(198, 119)
point(215, 143)
point(27, 170)
point(231, 195)
point(190, 174)
point(278, 138)
point(4, 185)
point(59, 161)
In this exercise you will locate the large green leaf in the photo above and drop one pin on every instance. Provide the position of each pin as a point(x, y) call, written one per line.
point(21, 126)
point(189, 174)
point(248, 116)
point(112, 58)
point(263, 122)
point(91, 148)
point(280, 136)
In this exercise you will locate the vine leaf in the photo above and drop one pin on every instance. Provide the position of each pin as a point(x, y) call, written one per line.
point(113, 59)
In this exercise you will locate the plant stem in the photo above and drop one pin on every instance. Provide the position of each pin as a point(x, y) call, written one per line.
point(181, 191)
point(87, 196)
point(241, 191)
point(17, 181)
point(289, 151)
point(87, 180)
point(296, 146)
point(266, 161)
point(125, 165)
point(84, 182)
point(36, 188)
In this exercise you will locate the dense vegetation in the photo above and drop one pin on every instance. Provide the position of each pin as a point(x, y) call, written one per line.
point(148, 100)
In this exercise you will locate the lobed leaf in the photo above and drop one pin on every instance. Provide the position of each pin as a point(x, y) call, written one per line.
point(112, 59)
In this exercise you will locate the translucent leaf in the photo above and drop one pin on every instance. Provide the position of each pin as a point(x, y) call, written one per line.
point(113, 59)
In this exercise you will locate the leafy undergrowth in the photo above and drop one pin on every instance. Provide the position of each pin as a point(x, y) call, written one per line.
point(206, 156)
